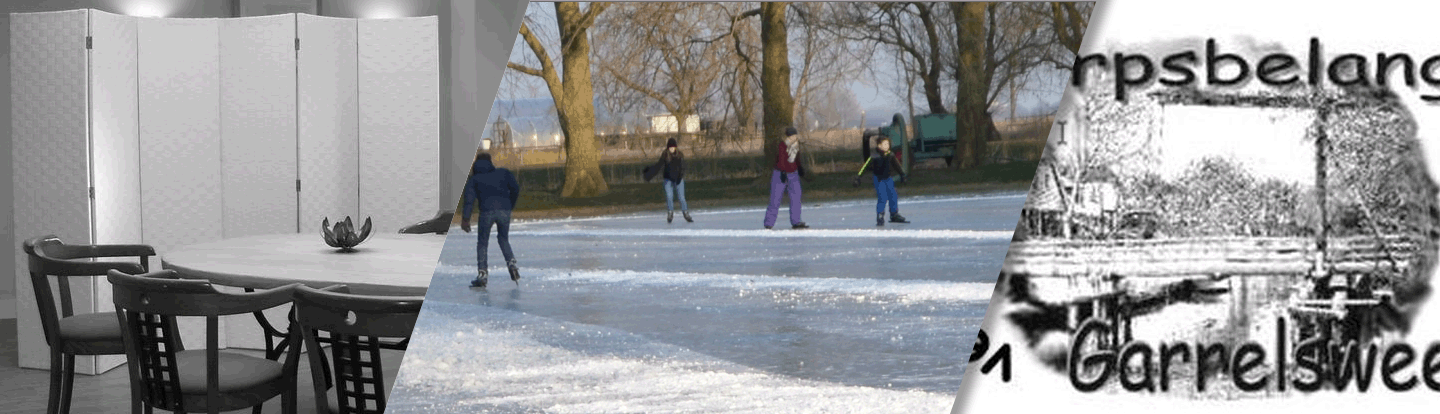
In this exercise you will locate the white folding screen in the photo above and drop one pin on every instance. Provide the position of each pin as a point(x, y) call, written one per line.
point(51, 154)
point(170, 132)
point(329, 120)
point(399, 120)
point(257, 125)
point(180, 168)
point(115, 142)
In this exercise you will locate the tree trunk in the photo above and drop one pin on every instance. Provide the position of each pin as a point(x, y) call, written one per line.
point(1013, 88)
point(1069, 23)
point(576, 107)
point(972, 124)
point(775, 79)
point(931, 75)
point(744, 105)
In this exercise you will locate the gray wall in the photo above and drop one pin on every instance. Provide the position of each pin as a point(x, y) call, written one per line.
point(468, 77)
point(489, 28)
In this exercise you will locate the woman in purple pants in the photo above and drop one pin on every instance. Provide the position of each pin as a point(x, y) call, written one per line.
point(785, 179)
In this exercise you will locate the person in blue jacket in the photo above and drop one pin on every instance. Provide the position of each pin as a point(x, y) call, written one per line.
point(884, 166)
point(496, 191)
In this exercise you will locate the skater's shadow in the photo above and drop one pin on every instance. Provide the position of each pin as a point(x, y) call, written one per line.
point(514, 302)
point(510, 301)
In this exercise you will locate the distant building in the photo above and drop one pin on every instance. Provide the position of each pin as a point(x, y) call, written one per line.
point(667, 124)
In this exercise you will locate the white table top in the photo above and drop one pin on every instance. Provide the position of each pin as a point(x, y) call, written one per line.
point(385, 264)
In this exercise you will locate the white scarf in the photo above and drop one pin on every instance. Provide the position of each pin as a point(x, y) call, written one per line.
point(791, 149)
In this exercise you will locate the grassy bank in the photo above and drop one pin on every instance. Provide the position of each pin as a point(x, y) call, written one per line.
point(536, 201)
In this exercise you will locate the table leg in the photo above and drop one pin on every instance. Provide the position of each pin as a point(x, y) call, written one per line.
point(273, 349)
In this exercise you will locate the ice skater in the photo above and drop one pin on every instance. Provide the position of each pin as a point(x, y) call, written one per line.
point(883, 166)
point(497, 192)
point(785, 180)
point(672, 167)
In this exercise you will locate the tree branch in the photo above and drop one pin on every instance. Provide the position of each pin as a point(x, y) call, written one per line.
point(525, 69)
point(586, 21)
point(547, 67)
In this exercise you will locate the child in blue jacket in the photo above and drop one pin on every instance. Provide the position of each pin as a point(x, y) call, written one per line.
point(883, 166)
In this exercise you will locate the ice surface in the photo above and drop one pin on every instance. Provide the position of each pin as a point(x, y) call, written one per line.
point(512, 362)
point(630, 314)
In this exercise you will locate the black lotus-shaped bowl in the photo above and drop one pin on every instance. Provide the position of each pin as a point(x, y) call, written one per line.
point(343, 236)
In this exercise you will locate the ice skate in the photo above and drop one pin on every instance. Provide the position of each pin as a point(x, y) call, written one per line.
point(480, 279)
point(897, 218)
point(514, 271)
point(800, 225)
point(687, 216)
point(669, 217)
point(879, 220)
point(769, 227)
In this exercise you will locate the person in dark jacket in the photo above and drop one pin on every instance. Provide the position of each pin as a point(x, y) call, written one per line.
point(672, 167)
point(785, 180)
point(883, 166)
point(496, 192)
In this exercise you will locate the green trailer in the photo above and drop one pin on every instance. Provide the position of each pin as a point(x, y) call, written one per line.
point(934, 137)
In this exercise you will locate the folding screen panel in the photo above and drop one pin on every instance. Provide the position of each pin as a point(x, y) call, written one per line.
point(399, 121)
point(180, 172)
point(257, 125)
point(115, 142)
point(329, 120)
point(180, 131)
point(51, 165)
point(257, 140)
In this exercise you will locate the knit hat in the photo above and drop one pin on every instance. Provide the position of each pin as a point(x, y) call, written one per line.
point(671, 143)
point(790, 131)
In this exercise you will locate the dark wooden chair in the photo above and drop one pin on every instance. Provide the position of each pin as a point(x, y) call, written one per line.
point(355, 325)
point(66, 333)
point(172, 378)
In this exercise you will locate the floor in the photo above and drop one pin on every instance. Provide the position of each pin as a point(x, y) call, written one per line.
point(27, 390)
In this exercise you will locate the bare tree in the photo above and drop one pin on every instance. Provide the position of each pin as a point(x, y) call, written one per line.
point(1068, 21)
point(826, 62)
point(660, 51)
point(998, 46)
point(911, 27)
point(832, 107)
point(570, 87)
point(742, 83)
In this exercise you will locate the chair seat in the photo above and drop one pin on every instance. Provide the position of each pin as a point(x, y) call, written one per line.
point(90, 327)
point(237, 372)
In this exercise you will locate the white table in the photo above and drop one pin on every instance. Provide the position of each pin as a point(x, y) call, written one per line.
point(385, 264)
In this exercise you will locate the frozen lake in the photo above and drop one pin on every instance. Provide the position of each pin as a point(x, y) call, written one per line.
point(630, 314)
